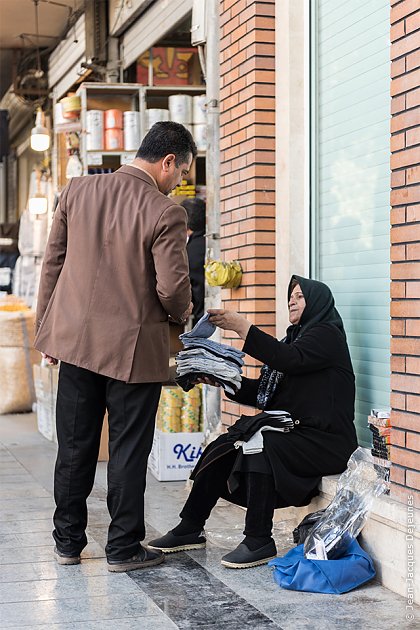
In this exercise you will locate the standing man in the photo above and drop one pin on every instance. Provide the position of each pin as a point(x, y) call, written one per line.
point(114, 270)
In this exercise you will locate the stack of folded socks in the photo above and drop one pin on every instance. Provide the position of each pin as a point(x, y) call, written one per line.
point(203, 357)
point(280, 421)
point(380, 427)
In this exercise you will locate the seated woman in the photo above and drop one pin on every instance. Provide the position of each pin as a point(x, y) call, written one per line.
point(308, 374)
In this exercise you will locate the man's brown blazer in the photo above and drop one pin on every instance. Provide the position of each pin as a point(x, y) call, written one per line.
point(115, 267)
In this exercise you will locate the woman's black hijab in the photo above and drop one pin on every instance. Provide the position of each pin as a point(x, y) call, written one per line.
point(319, 309)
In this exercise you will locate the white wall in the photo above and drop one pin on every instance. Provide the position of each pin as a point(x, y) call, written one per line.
point(292, 148)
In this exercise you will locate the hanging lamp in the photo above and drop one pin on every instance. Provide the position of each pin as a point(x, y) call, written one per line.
point(40, 136)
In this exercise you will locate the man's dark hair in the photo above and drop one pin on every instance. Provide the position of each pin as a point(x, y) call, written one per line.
point(164, 138)
point(196, 213)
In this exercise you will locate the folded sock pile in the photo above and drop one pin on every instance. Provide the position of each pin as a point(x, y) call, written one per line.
point(247, 431)
point(203, 357)
point(256, 443)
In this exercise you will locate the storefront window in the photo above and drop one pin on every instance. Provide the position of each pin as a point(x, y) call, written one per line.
point(350, 183)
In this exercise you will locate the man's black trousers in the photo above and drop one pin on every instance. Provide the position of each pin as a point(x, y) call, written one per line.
point(83, 396)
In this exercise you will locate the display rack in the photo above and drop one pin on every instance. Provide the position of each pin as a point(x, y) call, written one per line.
point(122, 96)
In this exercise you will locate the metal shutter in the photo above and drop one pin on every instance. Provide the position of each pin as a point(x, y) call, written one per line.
point(351, 182)
point(65, 59)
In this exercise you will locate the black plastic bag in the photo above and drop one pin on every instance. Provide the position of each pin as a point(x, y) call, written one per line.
point(300, 533)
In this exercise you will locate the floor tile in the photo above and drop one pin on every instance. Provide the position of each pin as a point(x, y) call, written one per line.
point(67, 587)
point(158, 622)
point(43, 553)
point(190, 595)
point(26, 526)
point(50, 570)
point(77, 609)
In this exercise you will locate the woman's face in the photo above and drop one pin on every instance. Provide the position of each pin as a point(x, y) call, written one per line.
point(296, 305)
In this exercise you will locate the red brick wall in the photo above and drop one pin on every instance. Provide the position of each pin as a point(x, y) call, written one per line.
point(247, 105)
point(405, 248)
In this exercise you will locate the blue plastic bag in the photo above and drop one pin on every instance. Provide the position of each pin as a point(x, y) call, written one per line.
point(297, 573)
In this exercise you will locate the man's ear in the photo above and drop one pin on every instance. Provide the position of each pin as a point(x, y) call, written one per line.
point(167, 161)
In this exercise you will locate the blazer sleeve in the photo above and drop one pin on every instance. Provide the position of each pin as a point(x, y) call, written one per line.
point(55, 254)
point(317, 349)
point(247, 394)
point(171, 263)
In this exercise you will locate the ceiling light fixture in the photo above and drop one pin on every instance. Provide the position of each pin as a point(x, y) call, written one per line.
point(40, 136)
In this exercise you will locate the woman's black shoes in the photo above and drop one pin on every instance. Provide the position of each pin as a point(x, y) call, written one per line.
point(244, 558)
point(240, 558)
point(145, 558)
point(169, 543)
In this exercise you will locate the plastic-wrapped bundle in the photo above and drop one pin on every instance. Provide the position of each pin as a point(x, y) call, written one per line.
point(26, 278)
point(190, 414)
point(33, 234)
point(169, 410)
point(346, 515)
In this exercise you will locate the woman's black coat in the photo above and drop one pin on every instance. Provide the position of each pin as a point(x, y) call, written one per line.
point(318, 390)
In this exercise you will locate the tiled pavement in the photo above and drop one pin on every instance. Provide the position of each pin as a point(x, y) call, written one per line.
point(188, 591)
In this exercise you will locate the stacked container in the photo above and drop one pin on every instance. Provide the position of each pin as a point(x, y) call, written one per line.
point(113, 130)
point(94, 130)
point(181, 109)
point(154, 115)
point(132, 131)
point(200, 121)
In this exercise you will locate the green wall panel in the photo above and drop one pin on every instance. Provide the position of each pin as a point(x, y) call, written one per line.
point(350, 182)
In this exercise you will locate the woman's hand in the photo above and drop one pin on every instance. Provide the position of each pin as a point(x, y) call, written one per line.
point(230, 320)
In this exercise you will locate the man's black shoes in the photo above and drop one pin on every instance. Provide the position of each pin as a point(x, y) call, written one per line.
point(145, 558)
point(64, 559)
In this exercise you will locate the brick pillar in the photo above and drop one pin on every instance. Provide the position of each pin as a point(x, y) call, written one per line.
point(405, 249)
point(247, 142)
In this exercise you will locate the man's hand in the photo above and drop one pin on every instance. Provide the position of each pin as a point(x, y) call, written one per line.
point(49, 360)
point(186, 315)
point(230, 320)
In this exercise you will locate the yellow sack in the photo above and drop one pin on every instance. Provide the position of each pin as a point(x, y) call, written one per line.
point(223, 274)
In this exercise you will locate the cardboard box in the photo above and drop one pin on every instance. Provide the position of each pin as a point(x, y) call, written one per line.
point(171, 66)
point(174, 455)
